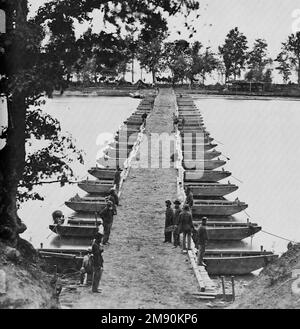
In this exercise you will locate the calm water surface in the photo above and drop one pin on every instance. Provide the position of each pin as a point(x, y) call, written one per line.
point(261, 139)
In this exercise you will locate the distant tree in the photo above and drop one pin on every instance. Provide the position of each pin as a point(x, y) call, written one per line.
point(176, 57)
point(202, 63)
point(210, 63)
point(234, 53)
point(291, 51)
point(284, 66)
point(257, 61)
point(150, 55)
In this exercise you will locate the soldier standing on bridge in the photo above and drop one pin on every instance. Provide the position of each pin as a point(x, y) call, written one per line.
point(97, 250)
point(169, 222)
point(186, 226)
point(107, 214)
point(117, 178)
point(176, 233)
point(189, 197)
point(202, 238)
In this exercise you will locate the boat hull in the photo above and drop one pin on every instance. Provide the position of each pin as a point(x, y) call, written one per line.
point(237, 265)
point(74, 230)
point(85, 206)
point(200, 154)
point(102, 173)
point(213, 190)
point(217, 209)
point(205, 176)
point(95, 188)
point(228, 233)
point(200, 164)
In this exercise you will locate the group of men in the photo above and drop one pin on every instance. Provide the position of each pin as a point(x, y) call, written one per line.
point(179, 221)
point(92, 264)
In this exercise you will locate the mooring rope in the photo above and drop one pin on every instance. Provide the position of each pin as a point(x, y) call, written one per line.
point(237, 179)
point(275, 235)
point(279, 237)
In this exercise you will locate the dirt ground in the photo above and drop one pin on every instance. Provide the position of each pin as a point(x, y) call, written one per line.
point(277, 285)
point(23, 284)
point(140, 271)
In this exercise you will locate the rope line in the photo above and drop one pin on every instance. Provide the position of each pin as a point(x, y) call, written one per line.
point(277, 236)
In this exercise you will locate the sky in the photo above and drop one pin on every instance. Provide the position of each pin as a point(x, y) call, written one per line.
point(272, 20)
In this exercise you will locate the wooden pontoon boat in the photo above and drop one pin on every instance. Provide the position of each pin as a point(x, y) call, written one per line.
point(217, 207)
point(86, 204)
point(211, 189)
point(230, 231)
point(102, 173)
point(64, 260)
point(236, 262)
point(96, 186)
point(201, 154)
point(204, 165)
point(191, 176)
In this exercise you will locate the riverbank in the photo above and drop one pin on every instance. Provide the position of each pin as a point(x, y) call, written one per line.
point(115, 91)
point(273, 287)
point(24, 285)
point(103, 91)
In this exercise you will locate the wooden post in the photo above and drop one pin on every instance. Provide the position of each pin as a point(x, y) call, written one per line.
point(223, 287)
point(233, 288)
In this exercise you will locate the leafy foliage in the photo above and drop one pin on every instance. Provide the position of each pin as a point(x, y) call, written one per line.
point(289, 57)
point(234, 53)
point(257, 61)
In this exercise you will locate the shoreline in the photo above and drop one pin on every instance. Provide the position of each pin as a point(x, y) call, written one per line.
point(195, 94)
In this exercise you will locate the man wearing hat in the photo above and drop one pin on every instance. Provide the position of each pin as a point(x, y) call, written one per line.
point(176, 232)
point(117, 177)
point(189, 197)
point(86, 270)
point(97, 251)
point(107, 215)
point(169, 222)
point(186, 226)
point(202, 241)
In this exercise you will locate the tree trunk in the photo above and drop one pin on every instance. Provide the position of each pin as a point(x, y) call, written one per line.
point(12, 161)
point(132, 69)
point(12, 156)
point(154, 77)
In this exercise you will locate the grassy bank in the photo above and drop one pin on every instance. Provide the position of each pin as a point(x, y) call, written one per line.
point(273, 287)
point(24, 285)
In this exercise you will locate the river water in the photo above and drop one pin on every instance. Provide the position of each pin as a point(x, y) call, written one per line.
point(260, 139)
point(88, 119)
point(259, 136)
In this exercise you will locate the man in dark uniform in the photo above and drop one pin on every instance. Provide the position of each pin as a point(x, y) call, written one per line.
point(113, 196)
point(168, 222)
point(189, 197)
point(107, 214)
point(186, 226)
point(176, 233)
point(202, 241)
point(117, 178)
point(144, 117)
point(97, 251)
